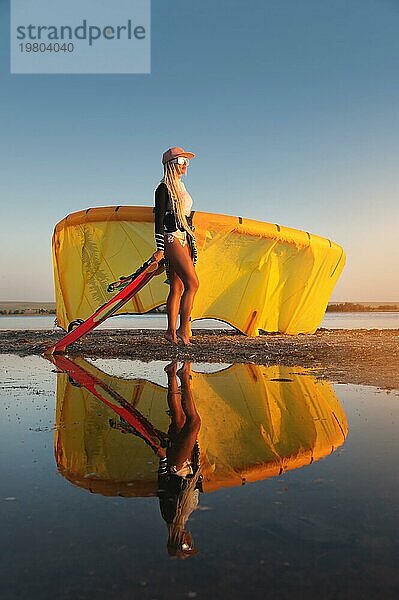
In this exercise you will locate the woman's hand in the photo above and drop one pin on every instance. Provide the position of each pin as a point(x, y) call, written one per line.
point(158, 255)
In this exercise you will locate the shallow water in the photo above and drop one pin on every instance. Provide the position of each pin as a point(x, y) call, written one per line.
point(152, 321)
point(361, 320)
point(316, 518)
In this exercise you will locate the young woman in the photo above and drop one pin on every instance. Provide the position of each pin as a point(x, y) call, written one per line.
point(175, 241)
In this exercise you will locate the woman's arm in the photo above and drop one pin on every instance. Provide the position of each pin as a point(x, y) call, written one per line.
point(195, 253)
point(161, 197)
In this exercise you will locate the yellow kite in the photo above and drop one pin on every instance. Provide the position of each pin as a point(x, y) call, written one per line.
point(255, 276)
point(256, 422)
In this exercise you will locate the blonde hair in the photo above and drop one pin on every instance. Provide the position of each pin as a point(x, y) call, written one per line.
point(171, 179)
point(187, 502)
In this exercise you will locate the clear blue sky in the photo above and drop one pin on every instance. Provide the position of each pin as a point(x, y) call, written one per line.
point(292, 108)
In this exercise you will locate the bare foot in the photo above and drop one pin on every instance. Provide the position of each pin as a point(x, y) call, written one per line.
point(171, 337)
point(184, 336)
point(184, 371)
point(170, 369)
point(189, 331)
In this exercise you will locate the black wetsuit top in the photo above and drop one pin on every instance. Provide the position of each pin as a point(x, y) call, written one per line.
point(165, 218)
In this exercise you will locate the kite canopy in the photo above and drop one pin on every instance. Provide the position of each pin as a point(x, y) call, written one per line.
point(253, 275)
point(256, 422)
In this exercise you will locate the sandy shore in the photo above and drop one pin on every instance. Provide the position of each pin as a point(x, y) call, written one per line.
point(369, 357)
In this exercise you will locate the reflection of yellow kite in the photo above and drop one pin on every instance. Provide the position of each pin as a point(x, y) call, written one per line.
point(254, 426)
point(253, 275)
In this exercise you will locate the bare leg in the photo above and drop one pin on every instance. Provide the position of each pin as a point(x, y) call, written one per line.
point(177, 415)
point(190, 333)
point(181, 262)
point(185, 436)
point(172, 304)
point(187, 400)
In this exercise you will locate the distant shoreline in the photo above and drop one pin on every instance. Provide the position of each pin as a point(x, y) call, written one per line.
point(27, 309)
point(362, 307)
point(31, 309)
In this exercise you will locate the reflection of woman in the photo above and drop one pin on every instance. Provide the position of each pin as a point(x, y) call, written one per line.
point(179, 479)
point(174, 236)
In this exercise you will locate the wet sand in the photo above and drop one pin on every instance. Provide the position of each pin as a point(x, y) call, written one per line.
point(361, 356)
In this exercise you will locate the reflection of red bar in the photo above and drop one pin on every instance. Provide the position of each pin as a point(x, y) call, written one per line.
point(108, 396)
point(138, 281)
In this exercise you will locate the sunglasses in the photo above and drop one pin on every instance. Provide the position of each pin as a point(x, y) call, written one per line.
point(180, 160)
